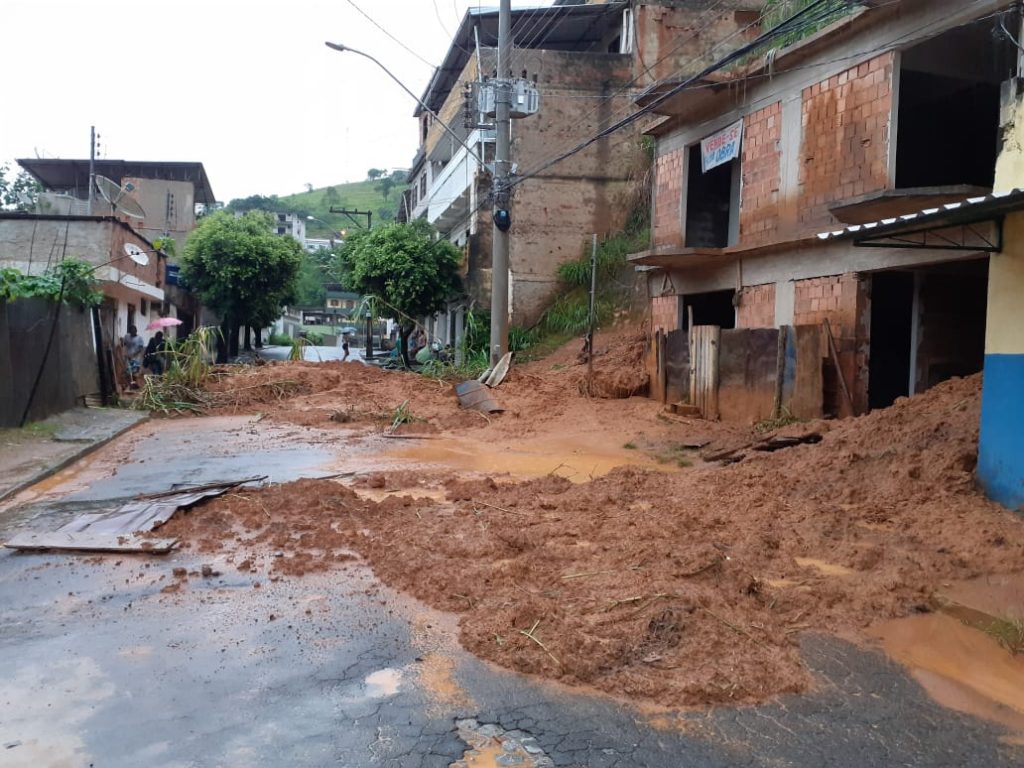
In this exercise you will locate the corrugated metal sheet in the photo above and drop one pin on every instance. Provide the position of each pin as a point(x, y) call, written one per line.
point(971, 209)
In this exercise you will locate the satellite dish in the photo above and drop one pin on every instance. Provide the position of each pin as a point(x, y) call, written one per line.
point(136, 254)
point(116, 195)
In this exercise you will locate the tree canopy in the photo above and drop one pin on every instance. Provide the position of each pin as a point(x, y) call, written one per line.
point(403, 266)
point(240, 268)
point(19, 194)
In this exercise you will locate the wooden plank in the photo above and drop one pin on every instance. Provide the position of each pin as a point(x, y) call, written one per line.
point(89, 542)
point(839, 367)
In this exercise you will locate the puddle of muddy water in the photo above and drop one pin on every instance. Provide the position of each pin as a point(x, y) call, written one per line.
point(575, 460)
point(960, 667)
point(492, 747)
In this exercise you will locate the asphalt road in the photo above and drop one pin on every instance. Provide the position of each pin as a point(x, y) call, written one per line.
point(314, 354)
point(101, 668)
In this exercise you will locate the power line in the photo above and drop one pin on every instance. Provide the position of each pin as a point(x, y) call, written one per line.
point(708, 20)
point(795, 23)
point(790, 25)
point(437, 13)
point(373, 21)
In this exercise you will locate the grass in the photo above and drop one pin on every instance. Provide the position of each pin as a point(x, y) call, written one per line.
point(402, 415)
point(359, 195)
point(35, 430)
point(770, 425)
point(630, 446)
point(674, 453)
point(1008, 633)
point(188, 367)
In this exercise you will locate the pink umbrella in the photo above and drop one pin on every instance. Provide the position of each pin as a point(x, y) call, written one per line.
point(163, 322)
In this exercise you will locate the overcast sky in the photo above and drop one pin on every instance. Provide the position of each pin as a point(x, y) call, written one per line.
point(246, 87)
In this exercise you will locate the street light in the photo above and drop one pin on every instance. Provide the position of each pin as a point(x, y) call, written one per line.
point(340, 233)
point(432, 113)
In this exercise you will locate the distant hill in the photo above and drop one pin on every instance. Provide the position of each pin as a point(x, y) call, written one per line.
point(359, 195)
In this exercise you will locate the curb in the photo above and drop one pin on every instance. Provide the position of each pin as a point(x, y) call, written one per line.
point(63, 464)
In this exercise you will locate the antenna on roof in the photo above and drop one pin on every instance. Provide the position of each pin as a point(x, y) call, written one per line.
point(117, 196)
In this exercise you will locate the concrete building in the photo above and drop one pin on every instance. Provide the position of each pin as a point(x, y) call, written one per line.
point(890, 110)
point(168, 192)
point(588, 61)
point(569, 53)
point(292, 225)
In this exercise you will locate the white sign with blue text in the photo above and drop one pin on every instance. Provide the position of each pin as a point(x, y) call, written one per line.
point(719, 148)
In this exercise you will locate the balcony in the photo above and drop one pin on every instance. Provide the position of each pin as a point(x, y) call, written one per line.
point(447, 203)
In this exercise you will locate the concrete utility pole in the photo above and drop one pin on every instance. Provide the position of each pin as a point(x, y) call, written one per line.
point(502, 197)
point(92, 166)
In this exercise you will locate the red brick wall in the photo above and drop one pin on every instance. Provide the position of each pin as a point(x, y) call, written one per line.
point(668, 192)
point(845, 139)
point(664, 314)
point(757, 307)
point(759, 209)
point(844, 300)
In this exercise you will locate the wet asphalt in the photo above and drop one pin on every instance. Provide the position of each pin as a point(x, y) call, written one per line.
point(99, 667)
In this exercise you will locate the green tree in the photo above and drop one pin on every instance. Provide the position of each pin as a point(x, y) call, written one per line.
point(312, 277)
point(405, 269)
point(385, 185)
point(241, 270)
point(375, 173)
point(21, 193)
point(256, 203)
point(331, 196)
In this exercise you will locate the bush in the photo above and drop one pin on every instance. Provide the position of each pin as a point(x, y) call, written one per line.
point(279, 340)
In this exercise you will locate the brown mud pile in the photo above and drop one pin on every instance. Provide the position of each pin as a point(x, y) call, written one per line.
point(682, 589)
point(352, 394)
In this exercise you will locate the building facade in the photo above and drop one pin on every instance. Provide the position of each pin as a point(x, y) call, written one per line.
point(892, 109)
point(170, 195)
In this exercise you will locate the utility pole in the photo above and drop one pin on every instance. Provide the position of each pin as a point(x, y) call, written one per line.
point(92, 166)
point(502, 198)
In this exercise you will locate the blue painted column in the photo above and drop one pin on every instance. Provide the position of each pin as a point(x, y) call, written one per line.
point(1001, 448)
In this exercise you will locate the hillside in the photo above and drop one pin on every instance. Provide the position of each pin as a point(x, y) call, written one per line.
point(359, 195)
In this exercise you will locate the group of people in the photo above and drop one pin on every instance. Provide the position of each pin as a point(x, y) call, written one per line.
point(139, 355)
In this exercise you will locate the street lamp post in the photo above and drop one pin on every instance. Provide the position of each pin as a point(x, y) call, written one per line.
point(389, 73)
point(369, 334)
point(340, 233)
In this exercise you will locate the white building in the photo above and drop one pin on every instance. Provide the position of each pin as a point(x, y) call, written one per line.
point(292, 225)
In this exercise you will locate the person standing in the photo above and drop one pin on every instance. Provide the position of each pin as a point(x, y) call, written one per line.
point(154, 357)
point(133, 351)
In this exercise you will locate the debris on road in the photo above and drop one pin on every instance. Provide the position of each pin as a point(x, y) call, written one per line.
point(475, 396)
point(117, 529)
point(627, 578)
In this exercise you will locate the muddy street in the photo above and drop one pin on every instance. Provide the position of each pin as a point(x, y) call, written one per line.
point(557, 586)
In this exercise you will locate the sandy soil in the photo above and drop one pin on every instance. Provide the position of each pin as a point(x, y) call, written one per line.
point(682, 588)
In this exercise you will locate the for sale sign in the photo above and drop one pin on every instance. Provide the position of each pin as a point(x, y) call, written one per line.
point(719, 148)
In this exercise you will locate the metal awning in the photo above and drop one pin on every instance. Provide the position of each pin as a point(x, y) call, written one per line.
point(974, 224)
point(60, 175)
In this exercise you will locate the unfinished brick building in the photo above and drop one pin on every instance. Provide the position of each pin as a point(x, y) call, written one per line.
point(588, 60)
point(892, 109)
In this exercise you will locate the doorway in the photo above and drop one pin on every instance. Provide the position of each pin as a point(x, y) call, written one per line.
point(892, 312)
point(927, 326)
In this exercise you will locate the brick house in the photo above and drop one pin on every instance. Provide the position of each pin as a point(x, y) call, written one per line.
point(588, 60)
point(892, 109)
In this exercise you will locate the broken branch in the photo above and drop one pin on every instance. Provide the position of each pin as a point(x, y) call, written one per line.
point(529, 633)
